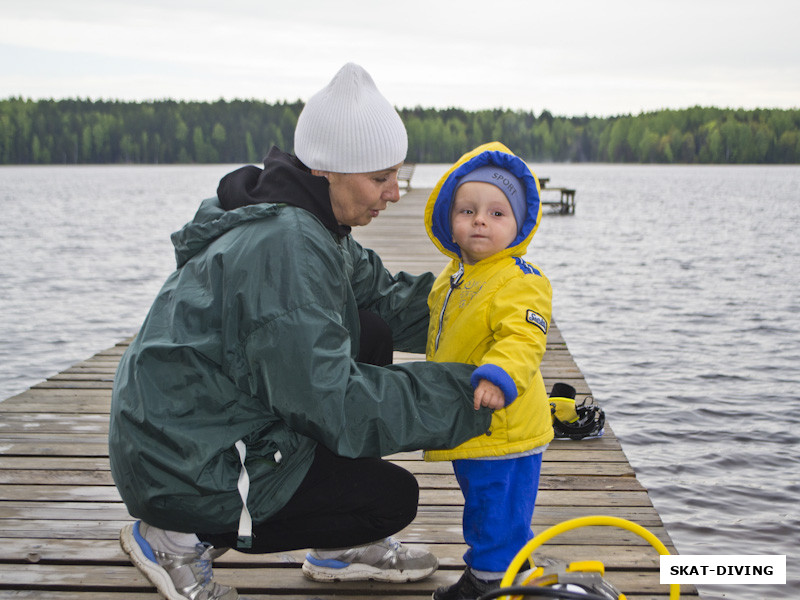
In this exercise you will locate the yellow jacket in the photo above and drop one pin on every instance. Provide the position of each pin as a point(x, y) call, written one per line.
point(493, 314)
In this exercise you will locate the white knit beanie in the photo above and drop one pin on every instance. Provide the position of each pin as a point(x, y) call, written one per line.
point(349, 127)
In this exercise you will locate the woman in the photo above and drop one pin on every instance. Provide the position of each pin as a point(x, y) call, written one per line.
point(241, 413)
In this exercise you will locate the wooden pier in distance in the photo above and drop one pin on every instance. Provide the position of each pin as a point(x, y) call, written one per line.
point(60, 514)
point(564, 205)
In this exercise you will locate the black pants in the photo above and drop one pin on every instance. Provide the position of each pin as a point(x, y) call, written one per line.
point(342, 501)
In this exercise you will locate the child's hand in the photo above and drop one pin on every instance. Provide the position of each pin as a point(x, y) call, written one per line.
point(489, 395)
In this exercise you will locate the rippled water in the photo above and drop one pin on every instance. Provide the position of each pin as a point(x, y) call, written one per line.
point(677, 291)
point(675, 287)
point(84, 251)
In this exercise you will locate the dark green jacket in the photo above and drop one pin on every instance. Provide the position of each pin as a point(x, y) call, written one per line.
point(253, 338)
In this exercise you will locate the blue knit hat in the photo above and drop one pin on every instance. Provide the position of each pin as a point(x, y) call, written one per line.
point(509, 184)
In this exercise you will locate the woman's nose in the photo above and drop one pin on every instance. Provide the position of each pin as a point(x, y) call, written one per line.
point(393, 193)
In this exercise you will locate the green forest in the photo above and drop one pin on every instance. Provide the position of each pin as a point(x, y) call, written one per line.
point(242, 131)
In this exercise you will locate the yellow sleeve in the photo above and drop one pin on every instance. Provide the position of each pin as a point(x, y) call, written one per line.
point(519, 318)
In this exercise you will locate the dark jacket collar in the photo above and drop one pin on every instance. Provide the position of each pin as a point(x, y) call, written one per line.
point(283, 180)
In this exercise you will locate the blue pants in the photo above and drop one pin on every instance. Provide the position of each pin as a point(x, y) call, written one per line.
point(499, 498)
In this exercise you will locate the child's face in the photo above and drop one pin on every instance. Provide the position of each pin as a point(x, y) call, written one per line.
point(482, 221)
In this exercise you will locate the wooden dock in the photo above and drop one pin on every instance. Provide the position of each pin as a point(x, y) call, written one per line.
point(60, 513)
point(564, 204)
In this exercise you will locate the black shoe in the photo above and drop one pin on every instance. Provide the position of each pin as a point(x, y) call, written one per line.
point(468, 587)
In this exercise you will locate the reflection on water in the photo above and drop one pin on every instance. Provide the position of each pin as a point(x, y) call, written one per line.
point(676, 289)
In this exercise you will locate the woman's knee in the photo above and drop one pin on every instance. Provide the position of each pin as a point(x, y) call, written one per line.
point(394, 505)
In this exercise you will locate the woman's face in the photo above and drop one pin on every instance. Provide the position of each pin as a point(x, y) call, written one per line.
point(357, 198)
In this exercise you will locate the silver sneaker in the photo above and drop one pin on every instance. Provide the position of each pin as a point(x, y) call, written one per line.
point(176, 576)
point(386, 560)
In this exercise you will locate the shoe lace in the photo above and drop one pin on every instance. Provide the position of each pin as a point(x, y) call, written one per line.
point(204, 563)
point(393, 544)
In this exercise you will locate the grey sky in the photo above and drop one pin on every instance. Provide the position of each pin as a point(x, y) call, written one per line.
point(572, 57)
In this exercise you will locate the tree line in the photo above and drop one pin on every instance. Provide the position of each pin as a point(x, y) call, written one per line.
point(242, 131)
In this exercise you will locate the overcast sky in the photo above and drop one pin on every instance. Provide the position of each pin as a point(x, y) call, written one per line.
point(571, 57)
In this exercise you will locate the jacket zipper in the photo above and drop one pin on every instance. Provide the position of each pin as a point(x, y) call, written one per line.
point(455, 281)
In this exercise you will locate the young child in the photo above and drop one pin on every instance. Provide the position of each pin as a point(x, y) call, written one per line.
point(492, 309)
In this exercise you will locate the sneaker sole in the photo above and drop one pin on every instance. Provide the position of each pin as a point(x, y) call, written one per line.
point(362, 572)
point(154, 573)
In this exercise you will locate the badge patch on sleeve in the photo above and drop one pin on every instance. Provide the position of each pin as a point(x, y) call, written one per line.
point(536, 319)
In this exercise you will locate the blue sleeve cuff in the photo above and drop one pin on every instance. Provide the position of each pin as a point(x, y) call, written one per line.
point(496, 375)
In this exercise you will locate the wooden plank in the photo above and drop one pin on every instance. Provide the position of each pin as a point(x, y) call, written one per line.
point(23, 467)
point(44, 551)
point(426, 531)
point(116, 511)
point(253, 579)
point(68, 595)
point(436, 482)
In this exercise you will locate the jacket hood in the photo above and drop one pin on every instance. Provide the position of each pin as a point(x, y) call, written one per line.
point(437, 210)
point(283, 180)
point(251, 193)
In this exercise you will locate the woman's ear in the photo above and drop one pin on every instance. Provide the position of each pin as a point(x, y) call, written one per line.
point(318, 173)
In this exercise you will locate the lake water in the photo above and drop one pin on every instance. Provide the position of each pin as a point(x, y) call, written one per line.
point(676, 287)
